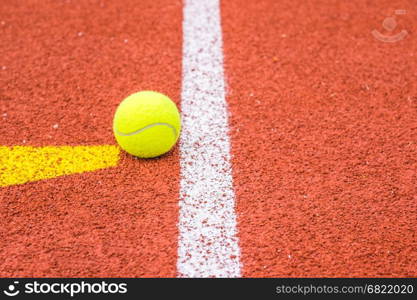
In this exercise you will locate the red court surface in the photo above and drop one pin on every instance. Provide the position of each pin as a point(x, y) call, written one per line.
point(70, 63)
point(323, 127)
point(324, 131)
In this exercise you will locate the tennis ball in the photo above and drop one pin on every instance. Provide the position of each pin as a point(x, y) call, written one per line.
point(147, 124)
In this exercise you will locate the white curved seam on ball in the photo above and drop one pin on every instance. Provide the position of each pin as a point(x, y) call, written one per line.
point(147, 127)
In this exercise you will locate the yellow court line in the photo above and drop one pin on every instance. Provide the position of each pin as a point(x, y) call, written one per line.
point(21, 164)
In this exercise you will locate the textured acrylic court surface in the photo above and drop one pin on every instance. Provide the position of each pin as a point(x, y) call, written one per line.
point(324, 131)
point(67, 66)
point(323, 126)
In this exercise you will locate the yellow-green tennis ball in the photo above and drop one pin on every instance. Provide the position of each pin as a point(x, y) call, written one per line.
point(147, 124)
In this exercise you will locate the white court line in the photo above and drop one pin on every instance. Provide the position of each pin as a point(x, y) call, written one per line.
point(208, 243)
